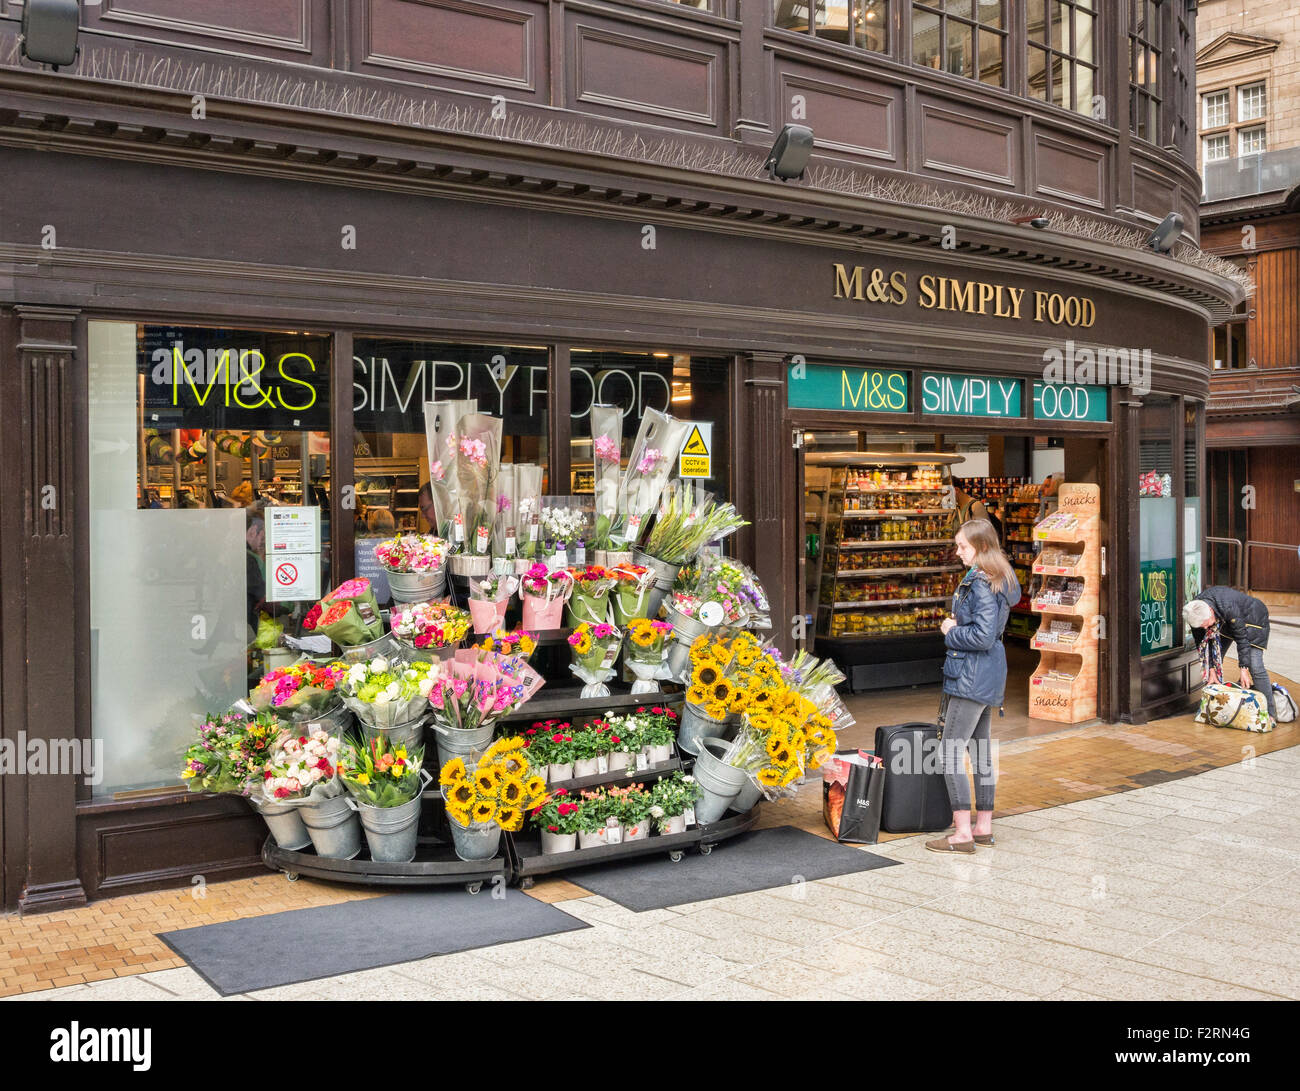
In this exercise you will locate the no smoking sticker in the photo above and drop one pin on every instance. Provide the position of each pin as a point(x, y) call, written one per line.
point(293, 578)
point(286, 575)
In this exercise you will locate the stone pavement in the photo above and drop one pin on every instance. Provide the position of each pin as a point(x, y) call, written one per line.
point(1184, 890)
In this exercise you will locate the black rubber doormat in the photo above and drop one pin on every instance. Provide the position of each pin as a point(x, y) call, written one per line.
point(759, 860)
point(308, 944)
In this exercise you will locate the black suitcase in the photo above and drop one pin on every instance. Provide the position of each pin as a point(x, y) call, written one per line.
point(916, 797)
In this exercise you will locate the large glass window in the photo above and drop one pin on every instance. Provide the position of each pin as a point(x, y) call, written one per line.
point(1192, 575)
point(1062, 53)
point(1216, 147)
point(195, 434)
point(1157, 526)
point(1214, 109)
point(1251, 141)
point(964, 37)
point(1145, 48)
point(860, 23)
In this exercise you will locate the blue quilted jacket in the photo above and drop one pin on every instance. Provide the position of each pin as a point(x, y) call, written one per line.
point(976, 664)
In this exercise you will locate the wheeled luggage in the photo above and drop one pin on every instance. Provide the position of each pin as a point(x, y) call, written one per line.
point(916, 797)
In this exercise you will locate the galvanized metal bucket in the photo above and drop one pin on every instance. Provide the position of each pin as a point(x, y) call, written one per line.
point(748, 796)
point(417, 586)
point(412, 654)
point(284, 822)
point(470, 564)
point(694, 726)
point(409, 734)
point(334, 828)
point(336, 719)
point(477, 841)
point(386, 645)
point(665, 572)
point(392, 833)
point(720, 783)
point(455, 742)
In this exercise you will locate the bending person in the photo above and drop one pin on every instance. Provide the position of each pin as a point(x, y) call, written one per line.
point(1224, 613)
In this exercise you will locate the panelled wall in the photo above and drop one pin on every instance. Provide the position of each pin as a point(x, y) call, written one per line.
point(726, 73)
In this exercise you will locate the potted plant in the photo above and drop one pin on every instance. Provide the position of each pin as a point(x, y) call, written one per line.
point(590, 599)
point(634, 812)
point(673, 803)
point(624, 742)
point(589, 745)
point(558, 819)
point(544, 594)
point(489, 597)
point(551, 749)
point(592, 815)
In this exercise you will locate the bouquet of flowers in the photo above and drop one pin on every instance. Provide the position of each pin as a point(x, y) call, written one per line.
point(565, 528)
point(299, 691)
point(379, 774)
point(816, 680)
point(654, 454)
point(527, 509)
point(607, 444)
point(544, 594)
point(501, 788)
point(350, 614)
point(427, 625)
point(688, 519)
point(441, 425)
point(631, 592)
point(518, 643)
point(478, 455)
point(645, 652)
point(595, 648)
point(303, 769)
point(505, 533)
point(230, 753)
point(672, 802)
point(489, 598)
point(477, 688)
point(590, 598)
point(412, 553)
point(384, 694)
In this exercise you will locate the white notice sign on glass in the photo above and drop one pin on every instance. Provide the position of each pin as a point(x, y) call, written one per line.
point(292, 530)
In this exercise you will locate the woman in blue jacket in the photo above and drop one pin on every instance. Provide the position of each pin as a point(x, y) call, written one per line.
point(974, 680)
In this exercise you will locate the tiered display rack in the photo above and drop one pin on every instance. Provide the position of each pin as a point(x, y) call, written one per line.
point(1023, 512)
point(894, 640)
point(1069, 561)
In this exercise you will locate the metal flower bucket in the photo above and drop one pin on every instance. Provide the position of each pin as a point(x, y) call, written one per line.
point(695, 725)
point(386, 645)
point(409, 734)
point(334, 828)
point(284, 822)
point(392, 833)
point(335, 720)
point(435, 654)
point(455, 742)
point(748, 796)
point(470, 564)
point(477, 841)
point(665, 572)
point(720, 783)
point(417, 586)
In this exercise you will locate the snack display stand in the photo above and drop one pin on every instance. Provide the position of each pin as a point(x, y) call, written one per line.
point(1064, 686)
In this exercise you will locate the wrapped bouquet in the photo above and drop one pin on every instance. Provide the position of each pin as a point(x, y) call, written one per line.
point(590, 598)
point(488, 599)
point(231, 753)
point(527, 510)
point(441, 425)
point(478, 455)
point(429, 626)
point(350, 614)
point(688, 519)
point(654, 454)
point(408, 553)
point(299, 691)
point(384, 694)
point(380, 774)
point(303, 769)
point(607, 446)
point(645, 652)
point(544, 594)
point(595, 649)
point(630, 594)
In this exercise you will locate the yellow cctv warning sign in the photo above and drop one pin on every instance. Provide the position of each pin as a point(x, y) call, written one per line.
point(696, 459)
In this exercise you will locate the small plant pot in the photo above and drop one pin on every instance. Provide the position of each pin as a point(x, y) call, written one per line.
point(676, 824)
point(487, 617)
point(591, 839)
point(638, 831)
point(618, 760)
point(661, 754)
point(553, 843)
point(540, 615)
point(586, 767)
point(557, 774)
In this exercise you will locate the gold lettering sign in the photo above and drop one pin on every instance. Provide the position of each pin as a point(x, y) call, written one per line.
point(935, 292)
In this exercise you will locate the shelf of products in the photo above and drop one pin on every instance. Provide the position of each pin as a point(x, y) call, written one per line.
point(1064, 686)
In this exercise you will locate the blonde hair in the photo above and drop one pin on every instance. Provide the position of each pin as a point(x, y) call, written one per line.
point(989, 558)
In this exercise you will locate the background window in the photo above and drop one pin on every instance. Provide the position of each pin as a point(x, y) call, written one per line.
point(1251, 141)
point(963, 37)
point(860, 23)
point(1062, 56)
point(1251, 102)
point(1214, 110)
point(1145, 46)
point(1216, 147)
point(1157, 527)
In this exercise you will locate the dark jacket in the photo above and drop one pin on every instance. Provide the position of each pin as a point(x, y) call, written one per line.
point(1242, 618)
point(976, 664)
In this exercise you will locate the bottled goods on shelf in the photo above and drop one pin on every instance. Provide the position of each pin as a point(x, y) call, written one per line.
point(922, 619)
point(921, 528)
point(930, 557)
point(867, 590)
point(877, 480)
point(993, 488)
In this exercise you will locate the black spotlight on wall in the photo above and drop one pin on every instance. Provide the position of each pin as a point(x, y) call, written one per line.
point(1037, 221)
point(49, 31)
point(789, 155)
point(1162, 239)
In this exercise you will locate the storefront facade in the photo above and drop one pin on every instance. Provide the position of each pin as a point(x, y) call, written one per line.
point(370, 268)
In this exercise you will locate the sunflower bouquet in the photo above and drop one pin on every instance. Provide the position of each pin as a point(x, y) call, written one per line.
point(645, 652)
point(543, 593)
point(594, 648)
point(777, 747)
point(500, 789)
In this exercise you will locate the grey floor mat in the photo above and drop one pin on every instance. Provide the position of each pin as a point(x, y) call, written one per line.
point(760, 860)
point(306, 944)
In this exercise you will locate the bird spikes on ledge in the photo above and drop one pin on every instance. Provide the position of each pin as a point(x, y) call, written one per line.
point(240, 83)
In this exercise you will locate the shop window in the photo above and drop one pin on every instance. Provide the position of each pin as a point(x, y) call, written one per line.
point(962, 37)
point(1145, 49)
point(687, 387)
point(194, 434)
point(1157, 526)
point(860, 23)
point(1214, 109)
point(1062, 54)
point(1192, 572)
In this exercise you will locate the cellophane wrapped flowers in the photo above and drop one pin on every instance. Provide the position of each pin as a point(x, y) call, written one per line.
point(231, 753)
point(300, 691)
point(654, 454)
point(412, 553)
point(303, 769)
point(501, 788)
point(350, 614)
point(590, 598)
point(688, 519)
point(385, 693)
point(428, 624)
point(645, 639)
point(380, 774)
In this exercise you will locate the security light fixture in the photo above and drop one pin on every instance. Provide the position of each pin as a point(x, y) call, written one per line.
point(1162, 239)
point(789, 155)
point(49, 31)
point(1036, 220)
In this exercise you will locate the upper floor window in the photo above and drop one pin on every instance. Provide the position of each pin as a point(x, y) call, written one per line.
point(860, 23)
point(1145, 48)
point(1251, 141)
point(1214, 109)
point(1217, 147)
point(964, 37)
point(1252, 102)
point(1062, 52)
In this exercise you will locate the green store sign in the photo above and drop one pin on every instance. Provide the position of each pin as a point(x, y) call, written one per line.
point(1058, 401)
point(947, 395)
point(1156, 605)
point(859, 389)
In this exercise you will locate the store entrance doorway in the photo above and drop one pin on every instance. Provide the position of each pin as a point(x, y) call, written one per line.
point(879, 567)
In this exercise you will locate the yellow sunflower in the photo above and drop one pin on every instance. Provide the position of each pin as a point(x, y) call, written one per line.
point(510, 818)
point(761, 699)
point(716, 711)
point(740, 700)
point(484, 781)
point(697, 695)
point(483, 811)
point(722, 653)
point(720, 691)
point(705, 674)
point(772, 745)
point(744, 640)
point(769, 777)
point(453, 771)
point(459, 815)
point(535, 787)
point(746, 656)
point(462, 794)
point(512, 791)
point(790, 776)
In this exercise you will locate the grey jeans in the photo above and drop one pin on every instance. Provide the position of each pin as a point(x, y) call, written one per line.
point(1259, 679)
point(968, 723)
